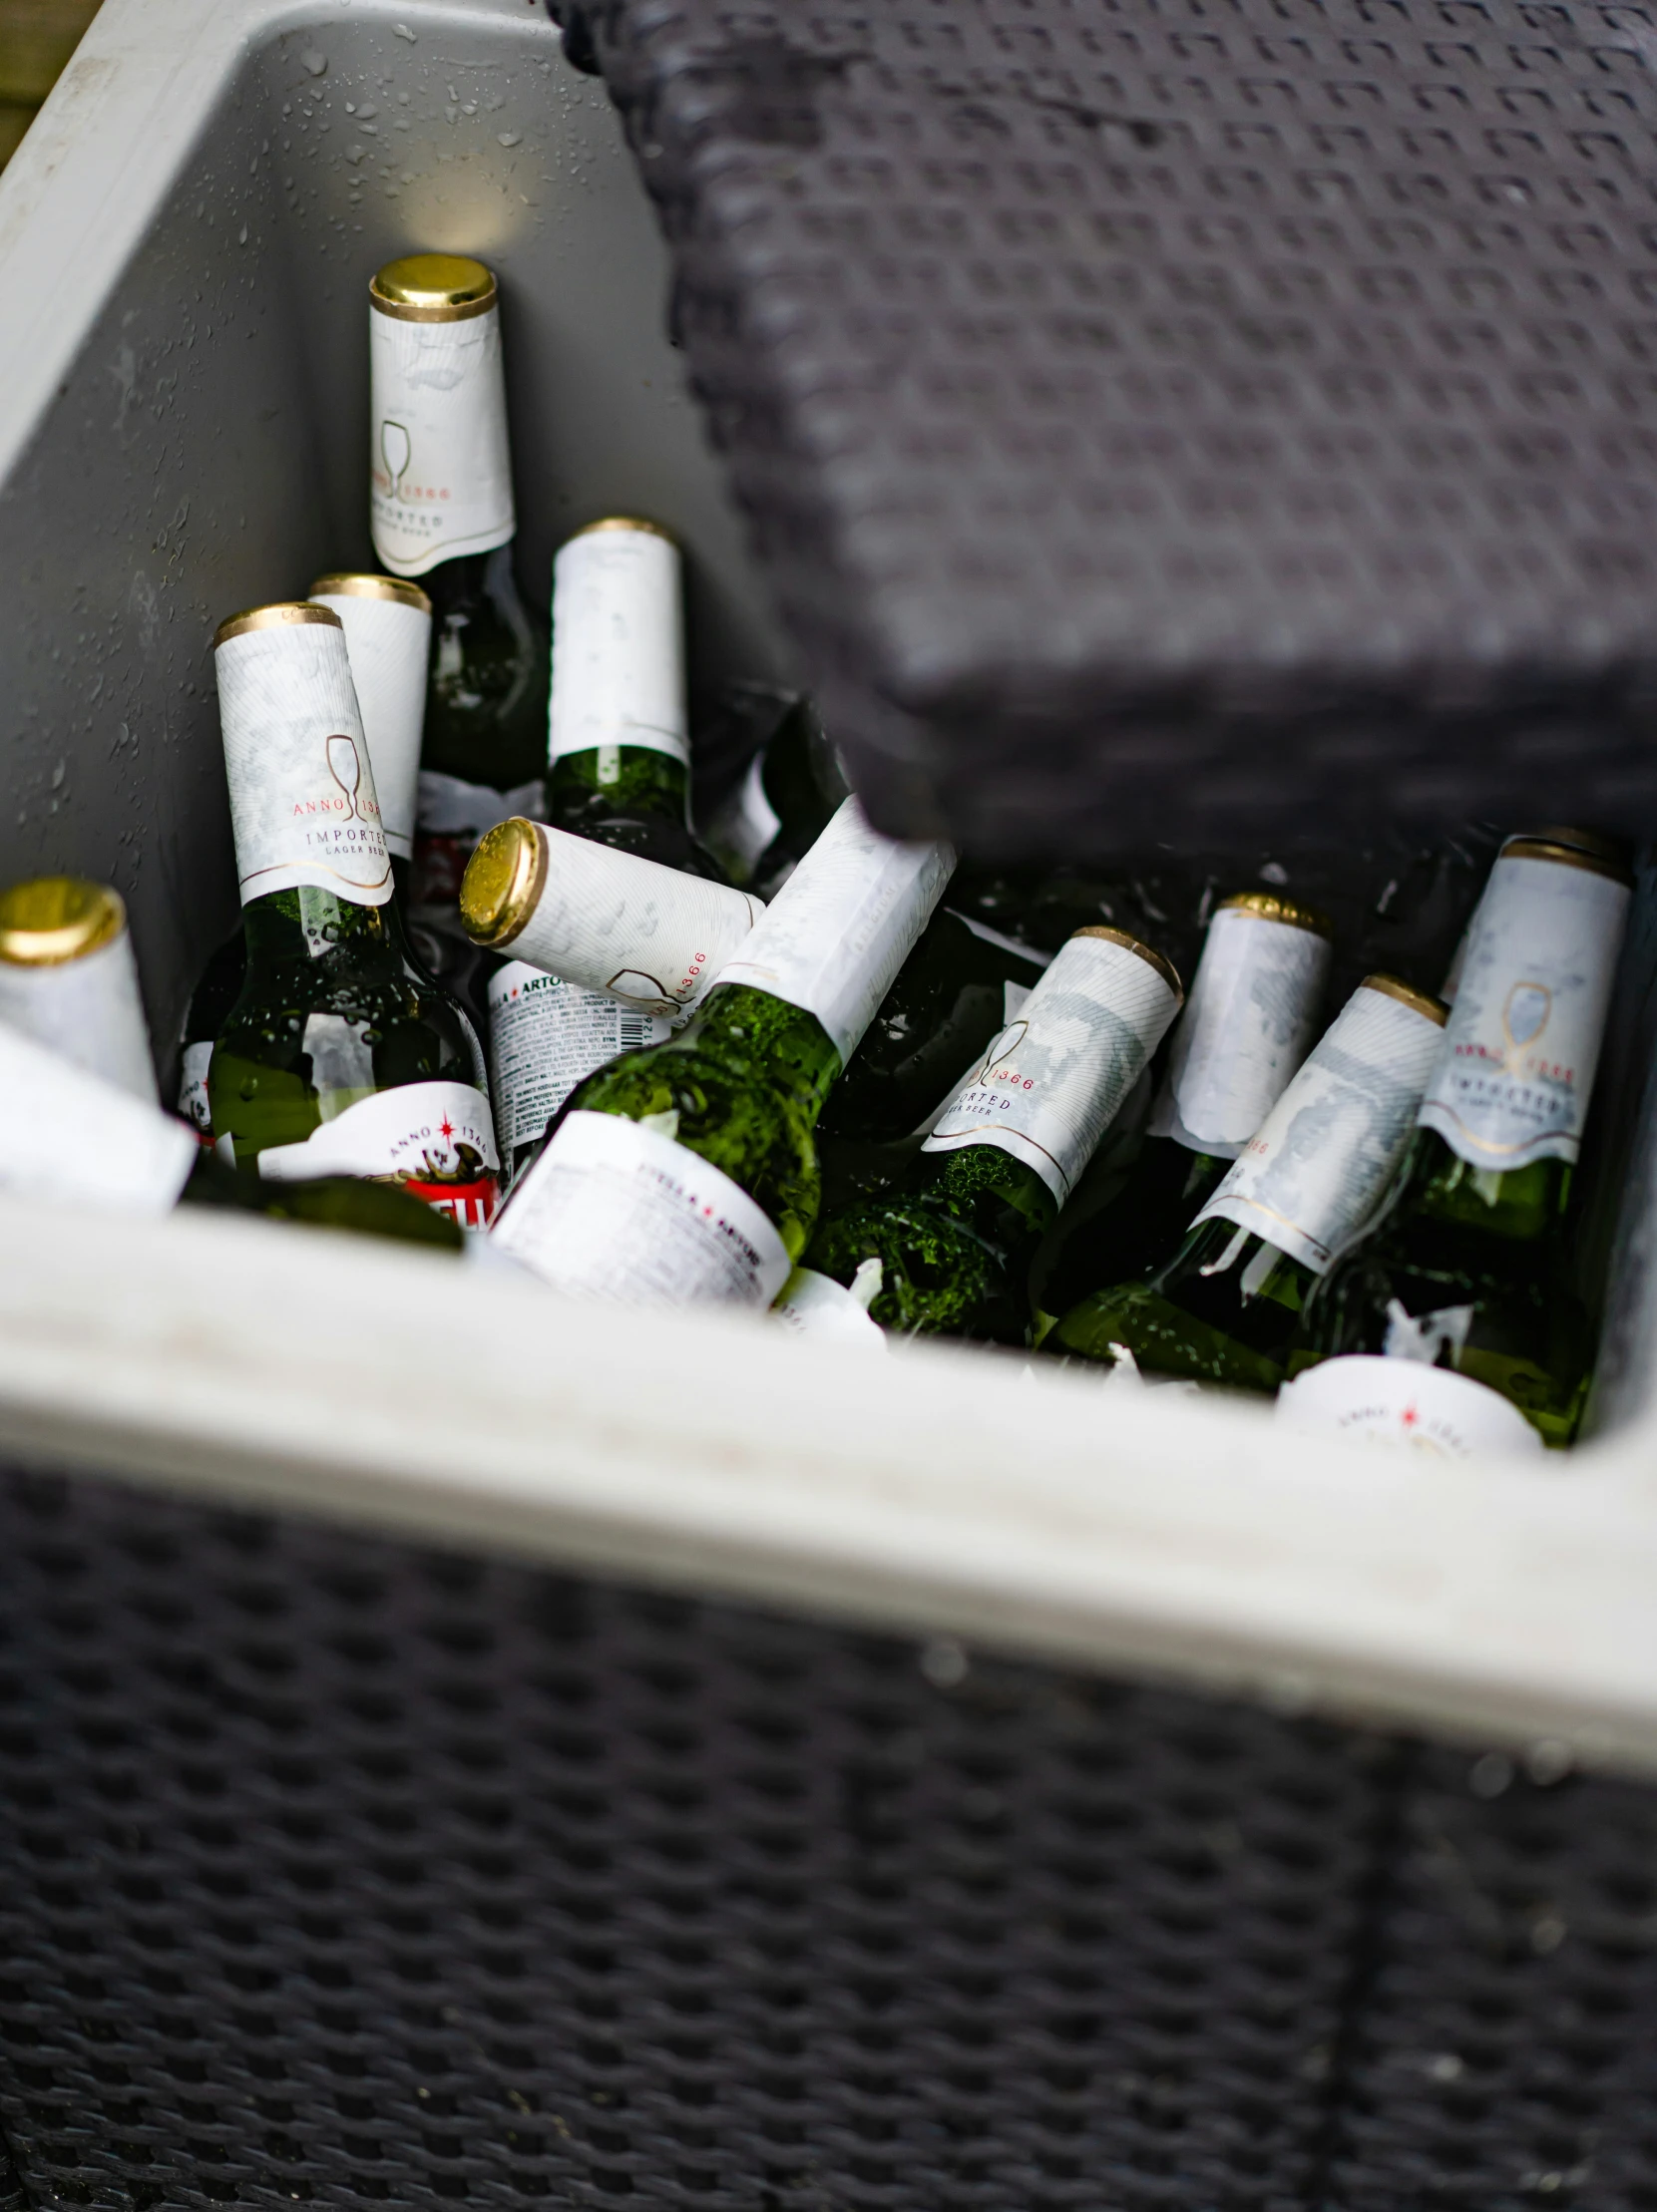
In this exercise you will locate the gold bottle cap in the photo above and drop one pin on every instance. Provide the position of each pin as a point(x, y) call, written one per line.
point(1423, 1002)
point(1165, 968)
point(502, 885)
point(432, 288)
point(624, 522)
point(1271, 908)
point(352, 587)
point(54, 918)
point(285, 615)
point(1609, 860)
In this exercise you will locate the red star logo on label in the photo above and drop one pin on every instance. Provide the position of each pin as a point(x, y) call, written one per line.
point(446, 1126)
point(1408, 1417)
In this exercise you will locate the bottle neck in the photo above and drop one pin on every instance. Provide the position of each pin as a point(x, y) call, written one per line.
point(1002, 1199)
point(454, 585)
point(311, 925)
point(1235, 1262)
point(607, 782)
point(1520, 1205)
point(792, 1046)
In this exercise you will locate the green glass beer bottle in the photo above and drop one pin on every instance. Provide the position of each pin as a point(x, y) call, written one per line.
point(1453, 1319)
point(1224, 1308)
point(955, 1234)
point(1252, 1014)
point(686, 1173)
point(607, 953)
point(789, 792)
point(338, 1056)
point(441, 510)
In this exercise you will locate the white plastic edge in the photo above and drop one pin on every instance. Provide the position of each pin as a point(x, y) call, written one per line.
point(1173, 1536)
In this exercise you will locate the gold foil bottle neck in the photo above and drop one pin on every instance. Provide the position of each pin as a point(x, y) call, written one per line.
point(1270, 907)
point(54, 918)
point(352, 586)
point(1148, 953)
point(1422, 1003)
point(624, 522)
point(1599, 855)
point(282, 614)
point(432, 288)
point(502, 885)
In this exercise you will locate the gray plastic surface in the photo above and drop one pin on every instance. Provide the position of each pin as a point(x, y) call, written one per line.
point(206, 448)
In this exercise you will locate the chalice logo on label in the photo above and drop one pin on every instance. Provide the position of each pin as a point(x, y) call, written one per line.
point(997, 1066)
point(1524, 1019)
point(345, 767)
point(396, 452)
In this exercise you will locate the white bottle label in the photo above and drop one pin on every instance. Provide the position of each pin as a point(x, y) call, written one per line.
point(836, 935)
point(439, 466)
point(89, 1010)
point(817, 1307)
point(613, 922)
point(1431, 1412)
point(1320, 1163)
point(1253, 1005)
point(69, 1135)
point(612, 1209)
point(1050, 1084)
point(302, 800)
point(194, 1102)
point(544, 1037)
point(435, 1139)
point(388, 643)
point(1517, 1067)
point(617, 645)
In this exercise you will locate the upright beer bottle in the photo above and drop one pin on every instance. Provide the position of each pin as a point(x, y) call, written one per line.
point(338, 1056)
point(68, 978)
point(1454, 1312)
point(619, 776)
point(1250, 1018)
point(441, 507)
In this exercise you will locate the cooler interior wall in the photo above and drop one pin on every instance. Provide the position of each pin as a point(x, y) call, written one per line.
point(208, 450)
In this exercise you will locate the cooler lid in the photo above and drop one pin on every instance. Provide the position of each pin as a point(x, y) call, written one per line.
point(1176, 421)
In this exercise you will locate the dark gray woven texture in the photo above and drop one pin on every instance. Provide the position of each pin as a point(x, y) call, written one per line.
point(1179, 421)
point(340, 1871)
point(347, 1873)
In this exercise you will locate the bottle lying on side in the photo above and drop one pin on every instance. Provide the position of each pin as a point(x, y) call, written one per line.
point(71, 1137)
point(1453, 1320)
point(610, 952)
point(686, 1173)
point(956, 1234)
point(1251, 1014)
point(1225, 1308)
point(340, 1056)
point(68, 978)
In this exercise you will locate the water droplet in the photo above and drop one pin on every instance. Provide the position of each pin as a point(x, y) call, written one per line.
point(508, 138)
point(314, 61)
point(403, 32)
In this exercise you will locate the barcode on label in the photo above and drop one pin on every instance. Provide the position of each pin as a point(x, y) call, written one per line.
point(635, 1031)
